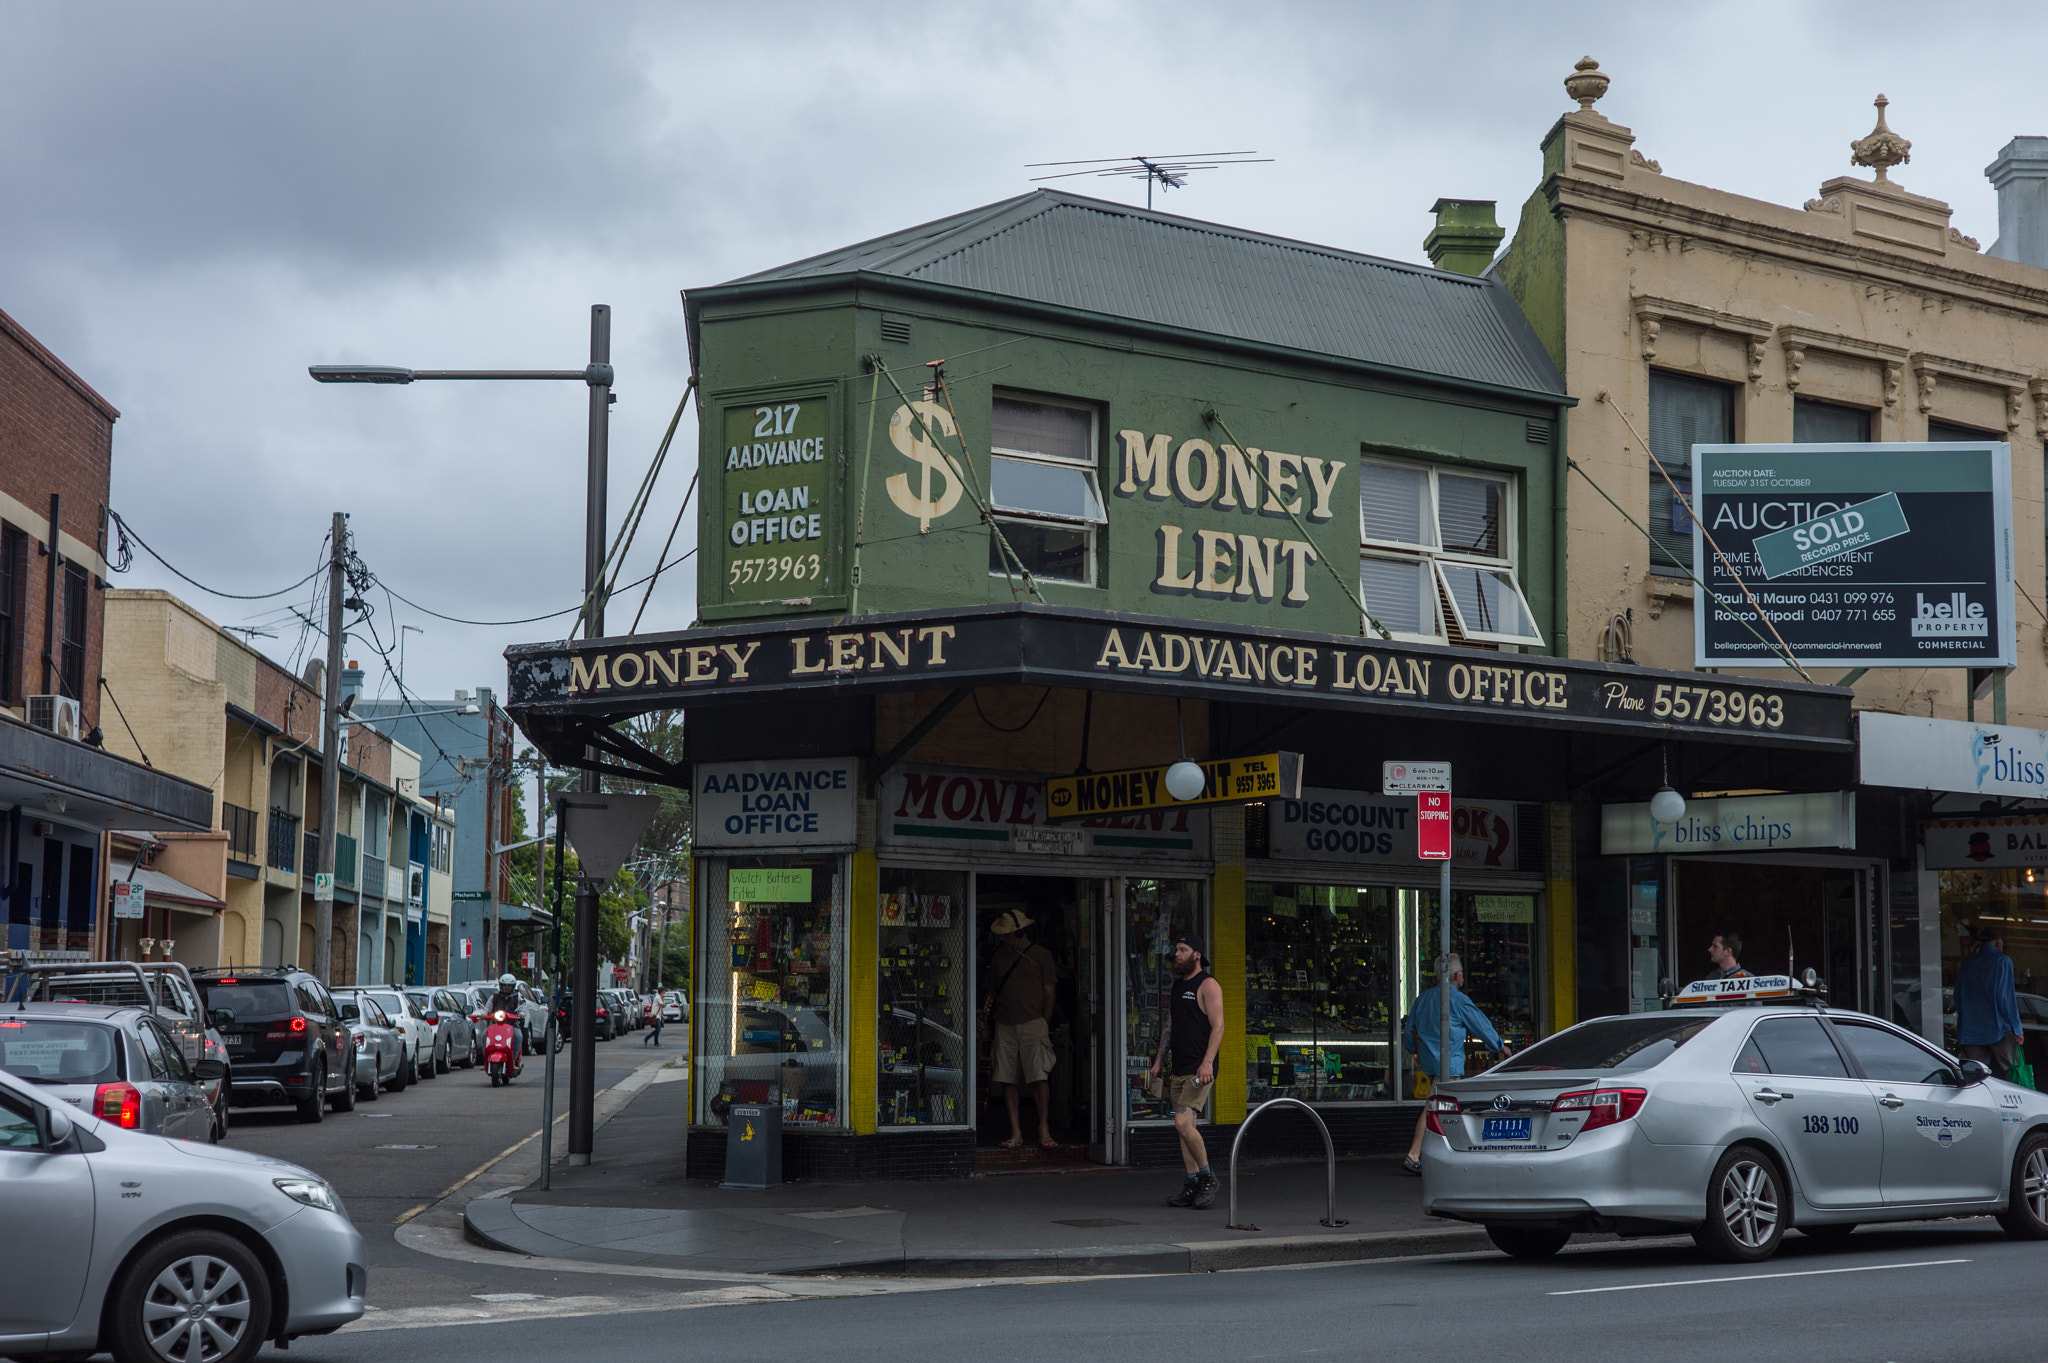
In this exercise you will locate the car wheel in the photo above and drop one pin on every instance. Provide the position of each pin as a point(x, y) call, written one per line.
point(441, 1065)
point(400, 1077)
point(220, 1114)
point(344, 1099)
point(426, 1067)
point(2026, 1213)
point(1745, 1208)
point(314, 1105)
point(1527, 1242)
point(196, 1297)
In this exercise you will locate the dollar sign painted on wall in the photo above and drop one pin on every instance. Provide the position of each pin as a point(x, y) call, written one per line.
point(911, 441)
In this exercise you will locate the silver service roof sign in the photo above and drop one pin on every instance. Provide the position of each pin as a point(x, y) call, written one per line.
point(1739, 989)
point(1860, 555)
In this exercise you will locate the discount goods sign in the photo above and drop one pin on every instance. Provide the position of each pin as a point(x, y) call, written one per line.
point(1860, 555)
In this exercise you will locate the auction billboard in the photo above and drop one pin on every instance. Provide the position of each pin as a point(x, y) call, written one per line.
point(1858, 555)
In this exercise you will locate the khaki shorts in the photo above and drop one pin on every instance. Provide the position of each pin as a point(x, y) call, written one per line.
point(1023, 1053)
point(1186, 1091)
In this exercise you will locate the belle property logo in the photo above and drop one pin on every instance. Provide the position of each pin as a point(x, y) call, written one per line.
point(1958, 617)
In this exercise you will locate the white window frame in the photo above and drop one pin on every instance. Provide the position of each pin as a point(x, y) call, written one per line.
point(1090, 467)
point(1435, 557)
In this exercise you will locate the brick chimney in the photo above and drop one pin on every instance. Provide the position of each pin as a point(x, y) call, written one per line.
point(1465, 236)
point(2020, 175)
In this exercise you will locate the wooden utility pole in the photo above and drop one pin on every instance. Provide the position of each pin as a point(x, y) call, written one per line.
point(330, 756)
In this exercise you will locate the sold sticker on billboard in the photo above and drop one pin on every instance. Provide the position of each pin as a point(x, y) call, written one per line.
point(1824, 537)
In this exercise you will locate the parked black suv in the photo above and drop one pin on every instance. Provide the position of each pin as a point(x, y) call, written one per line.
point(285, 1037)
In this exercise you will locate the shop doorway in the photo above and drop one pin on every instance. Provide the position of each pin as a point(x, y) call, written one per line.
point(1789, 918)
point(1067, 919)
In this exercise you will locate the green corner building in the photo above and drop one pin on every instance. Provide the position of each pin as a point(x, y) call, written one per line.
point(1003, 514)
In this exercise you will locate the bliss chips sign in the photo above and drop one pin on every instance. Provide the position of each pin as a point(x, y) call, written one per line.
point(1857, 555)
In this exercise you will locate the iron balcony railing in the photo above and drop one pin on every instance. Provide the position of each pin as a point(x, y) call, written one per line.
point(284, 840)
point(373, 877)
point(312, 861)
point(240, 826)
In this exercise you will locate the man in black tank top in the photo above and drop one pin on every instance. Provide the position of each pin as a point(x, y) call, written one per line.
point(1194, 1031)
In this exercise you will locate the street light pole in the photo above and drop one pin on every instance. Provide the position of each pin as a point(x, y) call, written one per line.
point(598, 376)
point(583, 977)
point(330, 757)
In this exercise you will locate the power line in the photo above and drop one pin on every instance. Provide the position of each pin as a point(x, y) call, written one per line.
point(129, 530)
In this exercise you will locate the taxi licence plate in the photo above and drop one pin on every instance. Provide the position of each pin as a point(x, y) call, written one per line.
point(1505, 1129)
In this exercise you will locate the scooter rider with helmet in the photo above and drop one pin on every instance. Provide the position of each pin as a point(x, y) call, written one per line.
point(507, 998)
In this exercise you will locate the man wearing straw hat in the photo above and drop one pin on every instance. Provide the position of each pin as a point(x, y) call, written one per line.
point(1019, 1003)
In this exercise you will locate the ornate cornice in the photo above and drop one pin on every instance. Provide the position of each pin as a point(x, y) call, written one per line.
point(1631, 212)
point(1798, 340)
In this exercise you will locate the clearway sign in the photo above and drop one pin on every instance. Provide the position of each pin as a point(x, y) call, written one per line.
point(1407, 778)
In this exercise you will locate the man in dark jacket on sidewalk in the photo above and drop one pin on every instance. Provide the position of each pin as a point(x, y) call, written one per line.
point(1988, 1026)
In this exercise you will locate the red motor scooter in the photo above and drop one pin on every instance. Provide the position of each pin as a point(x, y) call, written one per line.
point(501, 1048)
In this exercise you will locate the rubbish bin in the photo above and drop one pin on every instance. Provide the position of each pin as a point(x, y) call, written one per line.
point(753, 1145)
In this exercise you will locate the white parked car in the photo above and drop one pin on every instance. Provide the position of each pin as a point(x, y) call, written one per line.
point(410, 1022)
point(158, 1250)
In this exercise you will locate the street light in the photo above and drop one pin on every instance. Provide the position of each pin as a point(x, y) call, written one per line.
point(597, 375)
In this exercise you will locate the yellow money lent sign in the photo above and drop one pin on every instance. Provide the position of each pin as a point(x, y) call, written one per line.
point(1230, 780)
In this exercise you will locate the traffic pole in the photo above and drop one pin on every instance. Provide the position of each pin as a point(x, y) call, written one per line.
point(554, 992)
point(1443, 973)
point(583, 977)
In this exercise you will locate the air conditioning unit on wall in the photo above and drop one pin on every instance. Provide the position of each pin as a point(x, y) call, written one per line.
point(58, 714)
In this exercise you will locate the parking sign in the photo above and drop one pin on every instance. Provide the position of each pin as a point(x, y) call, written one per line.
point(1433, 825)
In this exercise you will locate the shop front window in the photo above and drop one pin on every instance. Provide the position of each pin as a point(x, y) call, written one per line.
point(921, 940)
point(1494, 935)
point(769, 1019)
point(2011, 907)
point(1319, 992)
point(1155, 912)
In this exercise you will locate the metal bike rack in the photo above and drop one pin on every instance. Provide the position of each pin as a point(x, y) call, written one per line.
point(1330, 1217)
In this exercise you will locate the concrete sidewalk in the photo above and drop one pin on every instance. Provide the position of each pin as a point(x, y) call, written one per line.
point(631, 1205)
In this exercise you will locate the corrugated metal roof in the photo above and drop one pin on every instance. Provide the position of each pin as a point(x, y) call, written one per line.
point(1093, 256)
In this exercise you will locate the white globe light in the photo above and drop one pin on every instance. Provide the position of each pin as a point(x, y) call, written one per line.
point(1667, 806)
point(1185, 780)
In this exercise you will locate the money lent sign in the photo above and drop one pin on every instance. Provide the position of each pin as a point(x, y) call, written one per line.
point(1230, 780)
point(1858, 555)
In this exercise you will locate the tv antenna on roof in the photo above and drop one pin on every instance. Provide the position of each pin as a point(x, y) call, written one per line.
point(1168, 172)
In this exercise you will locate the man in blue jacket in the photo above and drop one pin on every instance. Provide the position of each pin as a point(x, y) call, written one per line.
point(1424, 1027)
point(1988, 1024)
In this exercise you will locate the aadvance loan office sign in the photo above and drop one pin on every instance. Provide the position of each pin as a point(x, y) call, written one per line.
point(1859, 555)
point(775, 804)
point(1061, 646)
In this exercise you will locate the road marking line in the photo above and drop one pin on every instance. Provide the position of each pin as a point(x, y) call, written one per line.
point(485, 1167)
point(1757, 1277)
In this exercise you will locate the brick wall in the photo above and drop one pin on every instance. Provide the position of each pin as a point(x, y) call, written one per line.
point(56, 436)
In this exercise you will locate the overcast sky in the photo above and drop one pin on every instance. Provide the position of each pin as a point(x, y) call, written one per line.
point(203, 198)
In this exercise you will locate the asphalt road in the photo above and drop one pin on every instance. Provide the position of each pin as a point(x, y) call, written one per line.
point(1955, 1291)
point(395, 1159)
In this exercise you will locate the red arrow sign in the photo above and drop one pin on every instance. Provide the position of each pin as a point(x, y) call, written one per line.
point(1433, 825)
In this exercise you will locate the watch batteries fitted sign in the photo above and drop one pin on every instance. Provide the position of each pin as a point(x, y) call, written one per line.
point(776, 479)
point(1858, 555)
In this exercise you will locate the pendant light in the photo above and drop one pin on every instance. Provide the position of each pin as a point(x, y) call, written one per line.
point(1667, 805)
point(1184, 780)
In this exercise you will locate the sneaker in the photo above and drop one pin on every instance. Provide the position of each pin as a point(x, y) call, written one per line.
point(1187, 1194)
point(1205, 1191)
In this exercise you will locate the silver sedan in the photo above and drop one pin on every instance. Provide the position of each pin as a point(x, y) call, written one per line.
point(1736, 1124)
point(160, 1251)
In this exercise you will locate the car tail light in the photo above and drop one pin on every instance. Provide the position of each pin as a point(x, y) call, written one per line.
point(287, 1029)
point(1439, 1105)
point(227, 981)
point(433, 1019)
point(1603, 1107)
point(362, 1040)
point(118, 1103)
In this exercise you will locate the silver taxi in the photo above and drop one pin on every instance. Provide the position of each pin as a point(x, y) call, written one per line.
point(1745, 1111)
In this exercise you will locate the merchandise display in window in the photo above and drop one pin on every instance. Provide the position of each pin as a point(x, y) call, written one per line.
point(922, 944)
point(768, 1024)
point(1319, 992)
point(1155, 911)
